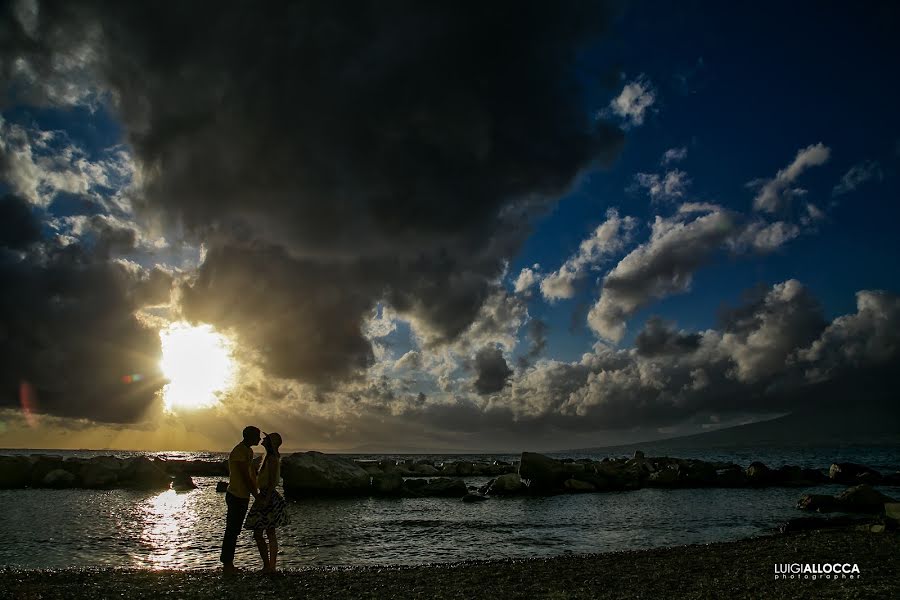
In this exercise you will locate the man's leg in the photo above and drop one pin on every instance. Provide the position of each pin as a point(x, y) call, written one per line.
point(234, 519)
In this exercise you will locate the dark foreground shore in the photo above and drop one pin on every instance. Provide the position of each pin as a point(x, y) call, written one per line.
point(743, 569)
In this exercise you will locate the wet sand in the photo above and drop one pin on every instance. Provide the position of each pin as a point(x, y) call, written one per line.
point(742, 569)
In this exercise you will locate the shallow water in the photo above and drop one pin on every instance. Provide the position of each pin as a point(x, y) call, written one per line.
point(58, 528)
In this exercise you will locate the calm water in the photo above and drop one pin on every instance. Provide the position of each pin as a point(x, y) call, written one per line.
point(57, 528)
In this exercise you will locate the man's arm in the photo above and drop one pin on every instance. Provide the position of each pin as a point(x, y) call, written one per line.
point(244, 473)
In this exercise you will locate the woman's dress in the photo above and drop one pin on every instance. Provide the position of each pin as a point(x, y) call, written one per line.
point(274, 512)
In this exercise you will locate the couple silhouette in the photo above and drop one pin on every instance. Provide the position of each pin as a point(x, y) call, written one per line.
point(269, 510)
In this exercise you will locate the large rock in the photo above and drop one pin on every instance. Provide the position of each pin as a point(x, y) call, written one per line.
point(817, 502)
point(664, 478)
point(507, 485)
point(387, 464)
point(852, 474)
point(101, 472)
point(425, 470)
point(469, 498)
point(183, 482)
point(639, 469)
point(493, 469)
point(145, 474)
point(444, 487)
point(696, 473)
point(759, 474)
point(14, 471)
point(610, 475)
point(372, 469)
point(314, 473)
point(542, 472)
point(59, 478)
point(96, 476)
point(43, 464)
point(731, 477)
point(413, 487)
point(387, 484)
point(574, 485)
point(459, 468)
point(862, 498)
point(892, 511)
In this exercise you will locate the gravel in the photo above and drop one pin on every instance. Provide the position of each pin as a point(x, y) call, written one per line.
point(743, 569)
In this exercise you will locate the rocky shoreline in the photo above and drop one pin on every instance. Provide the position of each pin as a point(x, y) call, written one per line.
point(742, 569)
point(316, 474)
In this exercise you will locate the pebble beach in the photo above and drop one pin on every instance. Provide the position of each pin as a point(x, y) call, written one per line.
point(741, 569)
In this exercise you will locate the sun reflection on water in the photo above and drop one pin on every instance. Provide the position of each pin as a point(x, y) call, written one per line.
point(169, 519)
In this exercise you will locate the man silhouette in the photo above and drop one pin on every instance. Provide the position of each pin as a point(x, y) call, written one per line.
point(241, 485)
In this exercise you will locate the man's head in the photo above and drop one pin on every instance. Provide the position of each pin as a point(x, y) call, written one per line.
point(251, 435)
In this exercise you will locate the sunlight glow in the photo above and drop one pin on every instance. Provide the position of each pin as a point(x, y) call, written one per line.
point(198, 363)
point(166, 518)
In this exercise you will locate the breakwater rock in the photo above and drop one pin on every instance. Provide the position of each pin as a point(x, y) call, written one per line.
point(315, 474)
point(861, 498)
point(103, 472)
point(545, 475)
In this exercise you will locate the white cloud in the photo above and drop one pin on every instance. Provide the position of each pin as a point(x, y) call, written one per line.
point(763, 237)
point(689, 207)
point(759, 345)
point(633, 102)
point(776, 192)
point(812, 215)
point(381, 323)
point(673, 155)
point(410, 360)
point(527, 278)
point(661, 267)
point(870, 337)
point(670, 186)
point(38, 165)
point(856, 176)
point(607, 239)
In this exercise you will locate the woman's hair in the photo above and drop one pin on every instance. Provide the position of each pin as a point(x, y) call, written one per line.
point(270, 450)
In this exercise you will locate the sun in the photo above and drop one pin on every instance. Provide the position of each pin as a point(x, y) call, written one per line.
point(198, 363)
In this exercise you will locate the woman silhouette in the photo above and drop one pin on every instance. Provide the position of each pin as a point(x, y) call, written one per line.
point(269, 509)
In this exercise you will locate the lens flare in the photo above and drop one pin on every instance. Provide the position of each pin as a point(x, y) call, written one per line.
point(28, 402)
point(198, 363)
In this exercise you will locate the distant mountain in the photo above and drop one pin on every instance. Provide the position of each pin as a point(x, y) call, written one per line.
point(855, 423)
point(386, 449)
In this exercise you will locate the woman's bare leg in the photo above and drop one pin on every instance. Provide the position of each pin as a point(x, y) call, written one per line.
point(263, 548)
point(273, 547)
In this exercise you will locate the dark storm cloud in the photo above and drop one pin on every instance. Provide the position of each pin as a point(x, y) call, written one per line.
point(153, 287)
point(109, 237)
point(68, 331)
point(19, 228)
point(394, 150)
point(657, 339)
point(297, 312)
point(491, 370)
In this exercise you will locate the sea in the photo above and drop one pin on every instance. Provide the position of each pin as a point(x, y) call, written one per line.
point(43, 528)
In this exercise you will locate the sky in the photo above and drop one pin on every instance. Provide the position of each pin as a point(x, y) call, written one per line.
point(408, 227)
